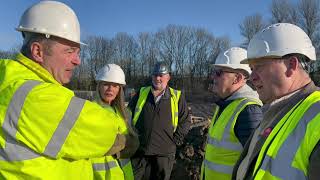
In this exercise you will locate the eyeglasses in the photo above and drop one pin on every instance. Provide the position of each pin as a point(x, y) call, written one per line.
point(219, 72)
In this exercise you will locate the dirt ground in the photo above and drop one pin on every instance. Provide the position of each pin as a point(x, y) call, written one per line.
point(189, 156)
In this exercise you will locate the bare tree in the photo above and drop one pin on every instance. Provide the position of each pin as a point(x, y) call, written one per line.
point(173, 41)
point(6, 55)
point(153, 54)
point(184, 38)
point(98, 53)
point(309, 12)
point(283, 11)
point(126, 49)
point(201, 50)
point(81, 79)
point(250, 26)
point(218, 45)
point(166, 38)
point(310, 17)
point(10, 54)
point(198, 51)
point(316, 43)
point(295, 18)
point(147, 52)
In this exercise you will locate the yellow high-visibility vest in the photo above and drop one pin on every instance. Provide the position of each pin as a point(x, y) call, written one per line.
point(175, 96)
point(46, 132)
point(223, 147)
point(110, 168)
point(286, 151)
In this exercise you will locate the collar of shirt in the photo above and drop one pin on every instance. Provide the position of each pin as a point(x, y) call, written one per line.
point(267, 107)
point(157, 99)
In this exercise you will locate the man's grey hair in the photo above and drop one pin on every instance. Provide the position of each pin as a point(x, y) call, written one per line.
point(30, 38)
point(305, 62)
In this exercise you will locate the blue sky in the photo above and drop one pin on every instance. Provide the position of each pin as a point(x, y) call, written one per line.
point(107, 17)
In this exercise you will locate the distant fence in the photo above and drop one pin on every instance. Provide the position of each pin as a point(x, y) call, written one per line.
point(89, 95)
point(196, 121)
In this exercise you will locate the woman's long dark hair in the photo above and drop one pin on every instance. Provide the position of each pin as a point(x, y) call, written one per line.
point(118, 104)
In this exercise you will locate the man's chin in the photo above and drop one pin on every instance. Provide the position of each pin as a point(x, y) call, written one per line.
point(158, 88)
point(65, 81)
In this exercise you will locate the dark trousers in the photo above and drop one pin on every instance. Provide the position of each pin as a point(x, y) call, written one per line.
point(152, 167)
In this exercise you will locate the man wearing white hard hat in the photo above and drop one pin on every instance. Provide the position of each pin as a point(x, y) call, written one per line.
point(237, 113)
point(47, 132)
point(286, 143)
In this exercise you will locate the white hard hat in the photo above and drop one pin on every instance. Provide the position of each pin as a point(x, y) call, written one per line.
point(51, 18)
point(231, 59)
point(111, 73)
point(278, 40)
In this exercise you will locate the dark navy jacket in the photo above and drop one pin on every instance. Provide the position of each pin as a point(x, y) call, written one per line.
point(248, 119)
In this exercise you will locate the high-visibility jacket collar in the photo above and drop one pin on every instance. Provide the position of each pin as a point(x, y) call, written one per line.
point(174, 96)
point(285, 153)
point(36, 68)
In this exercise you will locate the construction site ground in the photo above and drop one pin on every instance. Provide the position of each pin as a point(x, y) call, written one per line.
point(190, 155)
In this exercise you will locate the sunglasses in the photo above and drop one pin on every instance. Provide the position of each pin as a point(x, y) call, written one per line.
point(219, 72)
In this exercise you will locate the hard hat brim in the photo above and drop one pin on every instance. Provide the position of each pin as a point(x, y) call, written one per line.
point(251, 60)
point(46, 33)
point(155, 74)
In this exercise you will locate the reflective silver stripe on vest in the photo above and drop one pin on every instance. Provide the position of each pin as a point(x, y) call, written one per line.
point(104, 166)
point(218, 167)
point(226, 134)
point(13, 150)
point(282, 169)
point(124, 162)
point(281, 166)
point(129, 119)
point(175, 92)
point(225, 141)
point(129, 115)
point(70, 117)
point(225, 144)
point(137, 109)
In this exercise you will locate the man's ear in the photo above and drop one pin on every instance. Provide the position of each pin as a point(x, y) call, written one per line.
point(238, 78)
point(37, 52)
point(292, 65)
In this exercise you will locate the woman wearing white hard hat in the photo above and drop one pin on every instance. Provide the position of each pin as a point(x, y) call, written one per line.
point(109, 94)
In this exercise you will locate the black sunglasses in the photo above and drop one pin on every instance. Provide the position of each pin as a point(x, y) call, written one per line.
point(219, 72)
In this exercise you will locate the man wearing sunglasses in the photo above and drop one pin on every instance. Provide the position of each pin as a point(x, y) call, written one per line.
point(162, 119)
point(286, 144)
point(236, 115)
